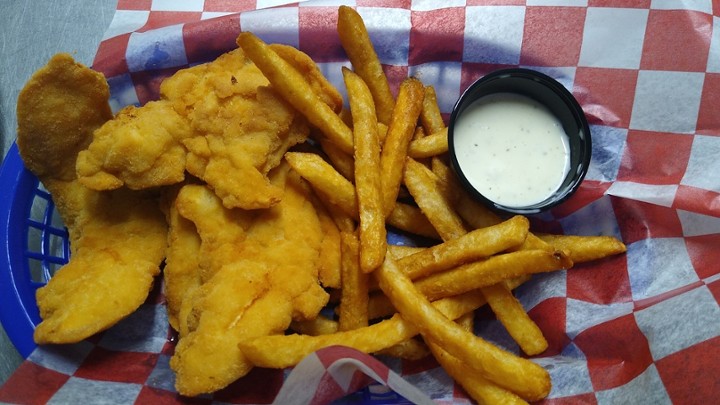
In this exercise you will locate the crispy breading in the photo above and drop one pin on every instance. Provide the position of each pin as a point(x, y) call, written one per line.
point(267, 276)
point(218, 121)
point(117, 239)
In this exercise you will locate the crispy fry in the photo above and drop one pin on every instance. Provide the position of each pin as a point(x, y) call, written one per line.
point(410, 349)
point(409, 218)
point(491, 271)
point(585, 248)
point(401, 251)
point(472, 380)
point(359, 49)
point(330, 184)
point(431, 117)
point(470, 210)
point(341, 161)
point(519, 375)
point(422, 184)
point(478, 244)
point(400, 133)
point(281, 351)
point(368, 186)
point(517, 322)
point(379, 305)
point(340, 192)
point(353, 310)
point(329, 262)
point(430, 145)
point(296, 90)
point(321, 325)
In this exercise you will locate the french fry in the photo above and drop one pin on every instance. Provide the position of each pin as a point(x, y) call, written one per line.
point(341, 161)
point(379, 306)
point(510, 312)
point(401, 251)
point(585, 248)
point(521, 376)
point(410, 349)
point(330, 184)
point(281, 351)
point(359, 49)
point(475, 245)
point(368, 186)
point(491, 271)
point(477, 386)
point(321, 325)
point(400, 132)
point(307, 68)
point(291, 85)
point(471, 211)
point(409, 218)
point(340, 193)
point(353, 309)
point(429, 145)
point(472, 380)
point(422, 184)
point(329, 261)
point(431, 117)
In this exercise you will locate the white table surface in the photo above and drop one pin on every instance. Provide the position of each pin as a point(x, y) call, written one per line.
point(30, 33)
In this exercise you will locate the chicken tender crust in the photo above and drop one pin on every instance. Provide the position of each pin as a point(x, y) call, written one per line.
point(117, 238)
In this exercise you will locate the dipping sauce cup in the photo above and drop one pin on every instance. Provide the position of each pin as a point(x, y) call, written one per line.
point(519, 141)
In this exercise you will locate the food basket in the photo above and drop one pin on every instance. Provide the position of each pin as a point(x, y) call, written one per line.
point(643, 327)
point(35, 245)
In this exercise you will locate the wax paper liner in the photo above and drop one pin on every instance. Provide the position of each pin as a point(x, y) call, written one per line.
point(637, 328)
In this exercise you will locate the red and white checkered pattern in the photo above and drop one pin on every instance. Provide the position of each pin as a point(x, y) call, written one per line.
point(638, 328)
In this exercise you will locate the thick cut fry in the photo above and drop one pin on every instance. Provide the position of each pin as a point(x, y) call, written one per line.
point(510, 312)
point(585, 248)
point(368, 186)
point(423, 186)
point(359, 49)
point(292, 87)
point(475, 245)
point(409, 218)
point(514, 373)
point(400, 133)
point(330, 184)
point(477, 386)
point(491, 271)
point(472, 380)
point(321, 325)
point(339, 192)
point(341, 161)
point(470, 210)
point(431, 117)
point(283, 351)
point(353, 310)
point(329, 263)
point(430, 145)
point(379, 305)
point(410, 349)
point(401, 251)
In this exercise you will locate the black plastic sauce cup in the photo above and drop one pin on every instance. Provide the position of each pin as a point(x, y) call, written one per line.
point(561, 103)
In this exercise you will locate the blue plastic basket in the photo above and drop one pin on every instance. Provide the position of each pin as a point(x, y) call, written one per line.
point(35, 244)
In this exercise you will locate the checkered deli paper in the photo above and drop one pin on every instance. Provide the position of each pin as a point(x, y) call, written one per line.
point(643, 327)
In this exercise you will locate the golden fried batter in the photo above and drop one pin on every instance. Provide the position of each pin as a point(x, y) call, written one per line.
point(218, 121)
point(117, 238)
point(267, 276)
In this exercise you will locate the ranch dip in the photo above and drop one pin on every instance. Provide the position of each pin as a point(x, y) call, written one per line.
point(512, 149)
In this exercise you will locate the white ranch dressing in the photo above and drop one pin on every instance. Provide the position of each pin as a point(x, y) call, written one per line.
point(512, 149)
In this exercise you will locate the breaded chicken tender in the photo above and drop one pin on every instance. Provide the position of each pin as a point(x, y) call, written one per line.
point(219, 121)
point(269, 279)
point(117, 239)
